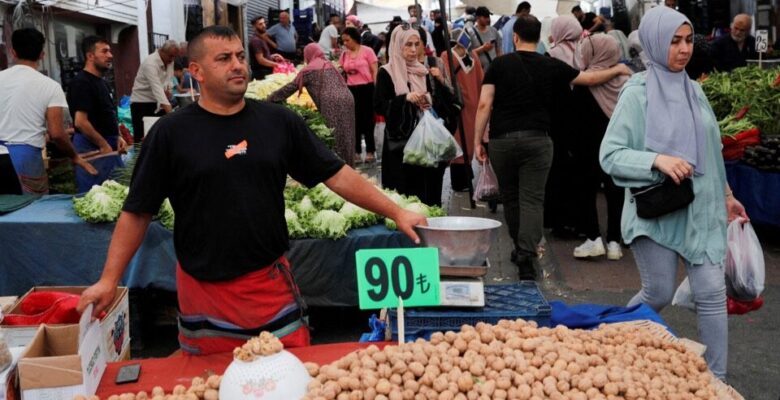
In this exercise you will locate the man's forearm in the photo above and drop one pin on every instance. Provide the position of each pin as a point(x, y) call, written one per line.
point(127, 238)
point(483, 114)
point(593, 78)
point(357, 190)
point(86, 128)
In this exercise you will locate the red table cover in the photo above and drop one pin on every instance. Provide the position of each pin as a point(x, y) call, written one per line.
point(179, 370)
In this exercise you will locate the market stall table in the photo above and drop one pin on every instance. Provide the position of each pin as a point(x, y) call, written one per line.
point(179, 370)
point(758, 191)
point(46, 244)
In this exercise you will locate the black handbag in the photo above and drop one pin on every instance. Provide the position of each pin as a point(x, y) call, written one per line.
point(662, 198)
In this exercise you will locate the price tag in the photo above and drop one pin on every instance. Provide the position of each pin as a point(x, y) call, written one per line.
point(384, 275)
point(762, 41)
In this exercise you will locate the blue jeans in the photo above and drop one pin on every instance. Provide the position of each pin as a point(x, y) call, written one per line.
point(658, 271)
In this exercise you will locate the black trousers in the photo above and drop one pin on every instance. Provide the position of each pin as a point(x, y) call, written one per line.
point(364, 116)
point(138, 111)
point(9, 182)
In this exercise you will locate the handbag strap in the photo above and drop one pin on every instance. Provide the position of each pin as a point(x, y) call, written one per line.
point(481, 43)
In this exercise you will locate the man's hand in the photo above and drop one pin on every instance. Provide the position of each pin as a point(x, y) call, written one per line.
point(480, 153)
point(623, 69)
point(167, 108)
point(167, 92)
point(436, 72)
point(121, 146)
point(487, 47)
point(673, 167)
point(105, 148)
point(277, 57)
point(735, 209)
point(100, 294)
point(85, 164)
point(406, 221)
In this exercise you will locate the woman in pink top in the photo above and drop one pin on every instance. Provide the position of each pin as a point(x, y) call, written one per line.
point(360, 65)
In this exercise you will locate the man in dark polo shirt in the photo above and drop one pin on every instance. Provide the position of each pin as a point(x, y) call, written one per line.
point(93, 111)
point(223, 163)
point(260, 58)
point(517, 98)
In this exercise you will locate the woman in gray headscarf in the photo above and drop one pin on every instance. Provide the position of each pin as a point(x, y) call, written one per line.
point(636, 54)
point(663, 128)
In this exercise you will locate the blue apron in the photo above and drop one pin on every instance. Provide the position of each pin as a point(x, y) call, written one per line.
point(104, 165)
point(28, 164)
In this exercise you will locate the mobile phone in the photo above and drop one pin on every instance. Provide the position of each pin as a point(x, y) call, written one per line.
point(128, 374)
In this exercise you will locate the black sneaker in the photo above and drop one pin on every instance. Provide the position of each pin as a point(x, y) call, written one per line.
point(525, 268)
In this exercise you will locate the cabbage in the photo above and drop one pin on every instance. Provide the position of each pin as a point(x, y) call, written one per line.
point(419, 208)
point(328, 224)
point(305, 207)
point(326, 199)
point(102, 203)
point(357, 217)
point(294, 226)
point(165, 215)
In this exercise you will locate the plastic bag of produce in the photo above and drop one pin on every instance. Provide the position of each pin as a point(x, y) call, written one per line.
point(744, 262)
point(487, 186)
point(379, 136)
point(430, 143)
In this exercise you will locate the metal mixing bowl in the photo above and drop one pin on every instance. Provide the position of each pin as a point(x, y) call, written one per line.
point(462, 241)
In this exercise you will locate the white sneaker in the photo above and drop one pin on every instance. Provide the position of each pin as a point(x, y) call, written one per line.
point(614, 252)
point(591, 248)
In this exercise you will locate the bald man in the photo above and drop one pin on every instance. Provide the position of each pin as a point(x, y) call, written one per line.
point(733, 51)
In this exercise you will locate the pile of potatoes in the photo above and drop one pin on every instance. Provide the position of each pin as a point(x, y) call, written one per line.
point(264, 345)
point(200, 389)
point(519, 360)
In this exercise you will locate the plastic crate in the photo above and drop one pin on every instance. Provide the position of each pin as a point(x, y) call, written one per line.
point(521, 300)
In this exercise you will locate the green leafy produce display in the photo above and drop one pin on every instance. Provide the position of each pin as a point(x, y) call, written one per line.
point(729, 93)
point(319, 213)
point(102, 203)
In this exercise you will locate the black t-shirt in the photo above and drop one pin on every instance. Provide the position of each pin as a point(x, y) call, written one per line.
point(225, 177)
point(90, 94)
point(525, 82)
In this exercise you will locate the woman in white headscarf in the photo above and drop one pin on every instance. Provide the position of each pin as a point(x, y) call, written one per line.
point(402, 92)
point(663, 129)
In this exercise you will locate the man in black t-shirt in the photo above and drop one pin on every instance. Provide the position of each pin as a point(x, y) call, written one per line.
point(519, 89)
point(93, 111)
point(589, 21)
point(223, 163)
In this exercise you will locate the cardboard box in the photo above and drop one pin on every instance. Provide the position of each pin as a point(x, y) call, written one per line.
point(115, 326)
point(63, 361)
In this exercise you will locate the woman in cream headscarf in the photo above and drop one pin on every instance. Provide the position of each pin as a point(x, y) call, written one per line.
point(594, 106)
point(402, 92)
point(663, 128)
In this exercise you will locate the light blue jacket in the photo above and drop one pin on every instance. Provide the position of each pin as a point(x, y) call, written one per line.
point(693, 232)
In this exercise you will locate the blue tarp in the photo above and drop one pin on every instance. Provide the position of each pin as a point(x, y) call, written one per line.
point(587, 316)
point(46, 243)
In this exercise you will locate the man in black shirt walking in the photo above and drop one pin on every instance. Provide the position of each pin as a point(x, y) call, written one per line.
point(93, 111)
point(517, 99)
point(223, 163)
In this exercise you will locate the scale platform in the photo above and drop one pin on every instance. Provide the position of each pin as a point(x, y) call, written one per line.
point(462, 292)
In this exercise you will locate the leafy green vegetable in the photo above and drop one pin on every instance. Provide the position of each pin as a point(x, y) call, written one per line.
point(305, 207)
point(102, 203)
point(294, 226)
point(166, 215)
point(328, 224)
point(357, 217)
point(325, 199)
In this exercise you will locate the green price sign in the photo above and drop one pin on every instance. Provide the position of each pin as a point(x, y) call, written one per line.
point(384, 275)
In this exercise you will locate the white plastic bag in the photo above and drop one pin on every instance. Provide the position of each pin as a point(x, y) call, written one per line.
point(379, 138)
point(683, 297)
point(744, 262)
point(487, 186)
point(430, 143)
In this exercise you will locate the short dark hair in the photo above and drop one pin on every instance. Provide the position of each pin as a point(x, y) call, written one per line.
point(28, 43)
point(524, 6)
point(195, 47)
point(89, 43)
point(470, 10)
point(255, 19)
point(352, 33)
point(576, 9)
point(423, 36)
point(528, 28)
